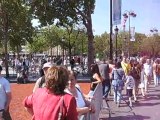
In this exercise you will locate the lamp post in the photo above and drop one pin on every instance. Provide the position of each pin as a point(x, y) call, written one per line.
point(116, 33)
point(110, 41)
point(126, 16)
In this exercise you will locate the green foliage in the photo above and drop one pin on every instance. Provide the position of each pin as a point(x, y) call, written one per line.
point(151, 45)
point(102, 45)
point(19, 24)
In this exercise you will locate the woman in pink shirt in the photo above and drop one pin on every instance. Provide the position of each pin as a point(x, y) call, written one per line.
point(51, 102)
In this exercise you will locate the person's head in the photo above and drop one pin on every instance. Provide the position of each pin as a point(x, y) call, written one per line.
point(72, 79)
point(118, 65)
point(94, 69)
point(110, 61)
point(57, 79)
point(148, 61)
point(46, 66)
point(124, 59)
point(104, 60)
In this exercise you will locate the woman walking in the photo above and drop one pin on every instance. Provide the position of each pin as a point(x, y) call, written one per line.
point(118, 76)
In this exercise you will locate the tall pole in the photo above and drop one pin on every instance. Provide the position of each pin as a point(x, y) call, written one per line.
point(116, 33)
point(129, 29)
point(111, 45)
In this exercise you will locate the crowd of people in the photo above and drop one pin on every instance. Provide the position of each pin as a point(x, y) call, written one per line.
point(130, 76)
point(67, 101)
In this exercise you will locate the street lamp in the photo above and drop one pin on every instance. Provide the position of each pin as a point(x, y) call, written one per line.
point(126, 16)
point(116, 33)
point(154, 31)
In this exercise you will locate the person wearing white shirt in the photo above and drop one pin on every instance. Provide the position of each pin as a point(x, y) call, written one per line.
point(147, 74)
point(83, 106)
point(130, 84)
point(5, 98)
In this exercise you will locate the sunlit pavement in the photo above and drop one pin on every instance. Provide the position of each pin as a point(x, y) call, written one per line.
point(147, 108)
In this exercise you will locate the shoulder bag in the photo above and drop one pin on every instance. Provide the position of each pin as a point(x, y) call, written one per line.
point(60, 114)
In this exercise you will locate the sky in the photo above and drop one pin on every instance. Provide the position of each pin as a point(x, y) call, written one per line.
point(147, 15)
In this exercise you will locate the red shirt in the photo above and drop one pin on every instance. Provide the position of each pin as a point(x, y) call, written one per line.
point(45, 105)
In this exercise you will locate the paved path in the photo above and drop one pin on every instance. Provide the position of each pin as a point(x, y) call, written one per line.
point(146, 109)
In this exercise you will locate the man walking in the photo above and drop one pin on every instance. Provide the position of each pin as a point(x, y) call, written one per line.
point(5, 97)
point(104, 71)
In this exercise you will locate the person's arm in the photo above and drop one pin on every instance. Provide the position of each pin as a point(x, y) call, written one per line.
point(8, 94)
point(89, 108)
point(37, 84)
point(83, 110)
point(9, 97)
point(127, 81)
point(98, 78)
point(27, 102)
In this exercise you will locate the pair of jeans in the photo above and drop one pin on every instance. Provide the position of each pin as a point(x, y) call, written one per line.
point(106, 86)
point(117, 94)
point(155, 79)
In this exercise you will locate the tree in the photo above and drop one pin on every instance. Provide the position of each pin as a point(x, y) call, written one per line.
point(16, 26)
point(67, 12)
point(101, 45)
point(150, 46)
point(136, 45)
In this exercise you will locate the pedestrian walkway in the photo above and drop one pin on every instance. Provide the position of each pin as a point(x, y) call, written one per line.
point(147, 108)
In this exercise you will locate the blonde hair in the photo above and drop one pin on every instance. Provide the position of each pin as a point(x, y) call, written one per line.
point(57, 79)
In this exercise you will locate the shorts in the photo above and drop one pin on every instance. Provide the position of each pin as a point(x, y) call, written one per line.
point(129, 92)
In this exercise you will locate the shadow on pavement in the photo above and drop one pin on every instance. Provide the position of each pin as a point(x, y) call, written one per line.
point(128, 117)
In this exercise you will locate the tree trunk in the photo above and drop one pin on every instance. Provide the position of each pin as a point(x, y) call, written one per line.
point(90, 43)
point(70, 50)
point(5, 43)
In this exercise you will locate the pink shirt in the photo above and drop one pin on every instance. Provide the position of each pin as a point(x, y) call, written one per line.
point(45, 105)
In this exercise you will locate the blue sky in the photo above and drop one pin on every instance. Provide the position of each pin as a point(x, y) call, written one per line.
point(147, 15)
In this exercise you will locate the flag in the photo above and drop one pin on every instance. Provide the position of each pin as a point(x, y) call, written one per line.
point(132, 34)
point(116, 9)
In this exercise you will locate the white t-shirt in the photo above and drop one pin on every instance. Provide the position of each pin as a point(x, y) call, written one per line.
point(130, 82)
point(4, 88)
point(147, 69)
point(79, 99)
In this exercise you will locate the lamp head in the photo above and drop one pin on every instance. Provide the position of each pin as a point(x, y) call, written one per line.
point(116, 30)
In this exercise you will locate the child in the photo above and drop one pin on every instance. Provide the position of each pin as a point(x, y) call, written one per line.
point(130, 84)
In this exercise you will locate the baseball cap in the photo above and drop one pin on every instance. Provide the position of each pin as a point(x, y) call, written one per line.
point(47, 65)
